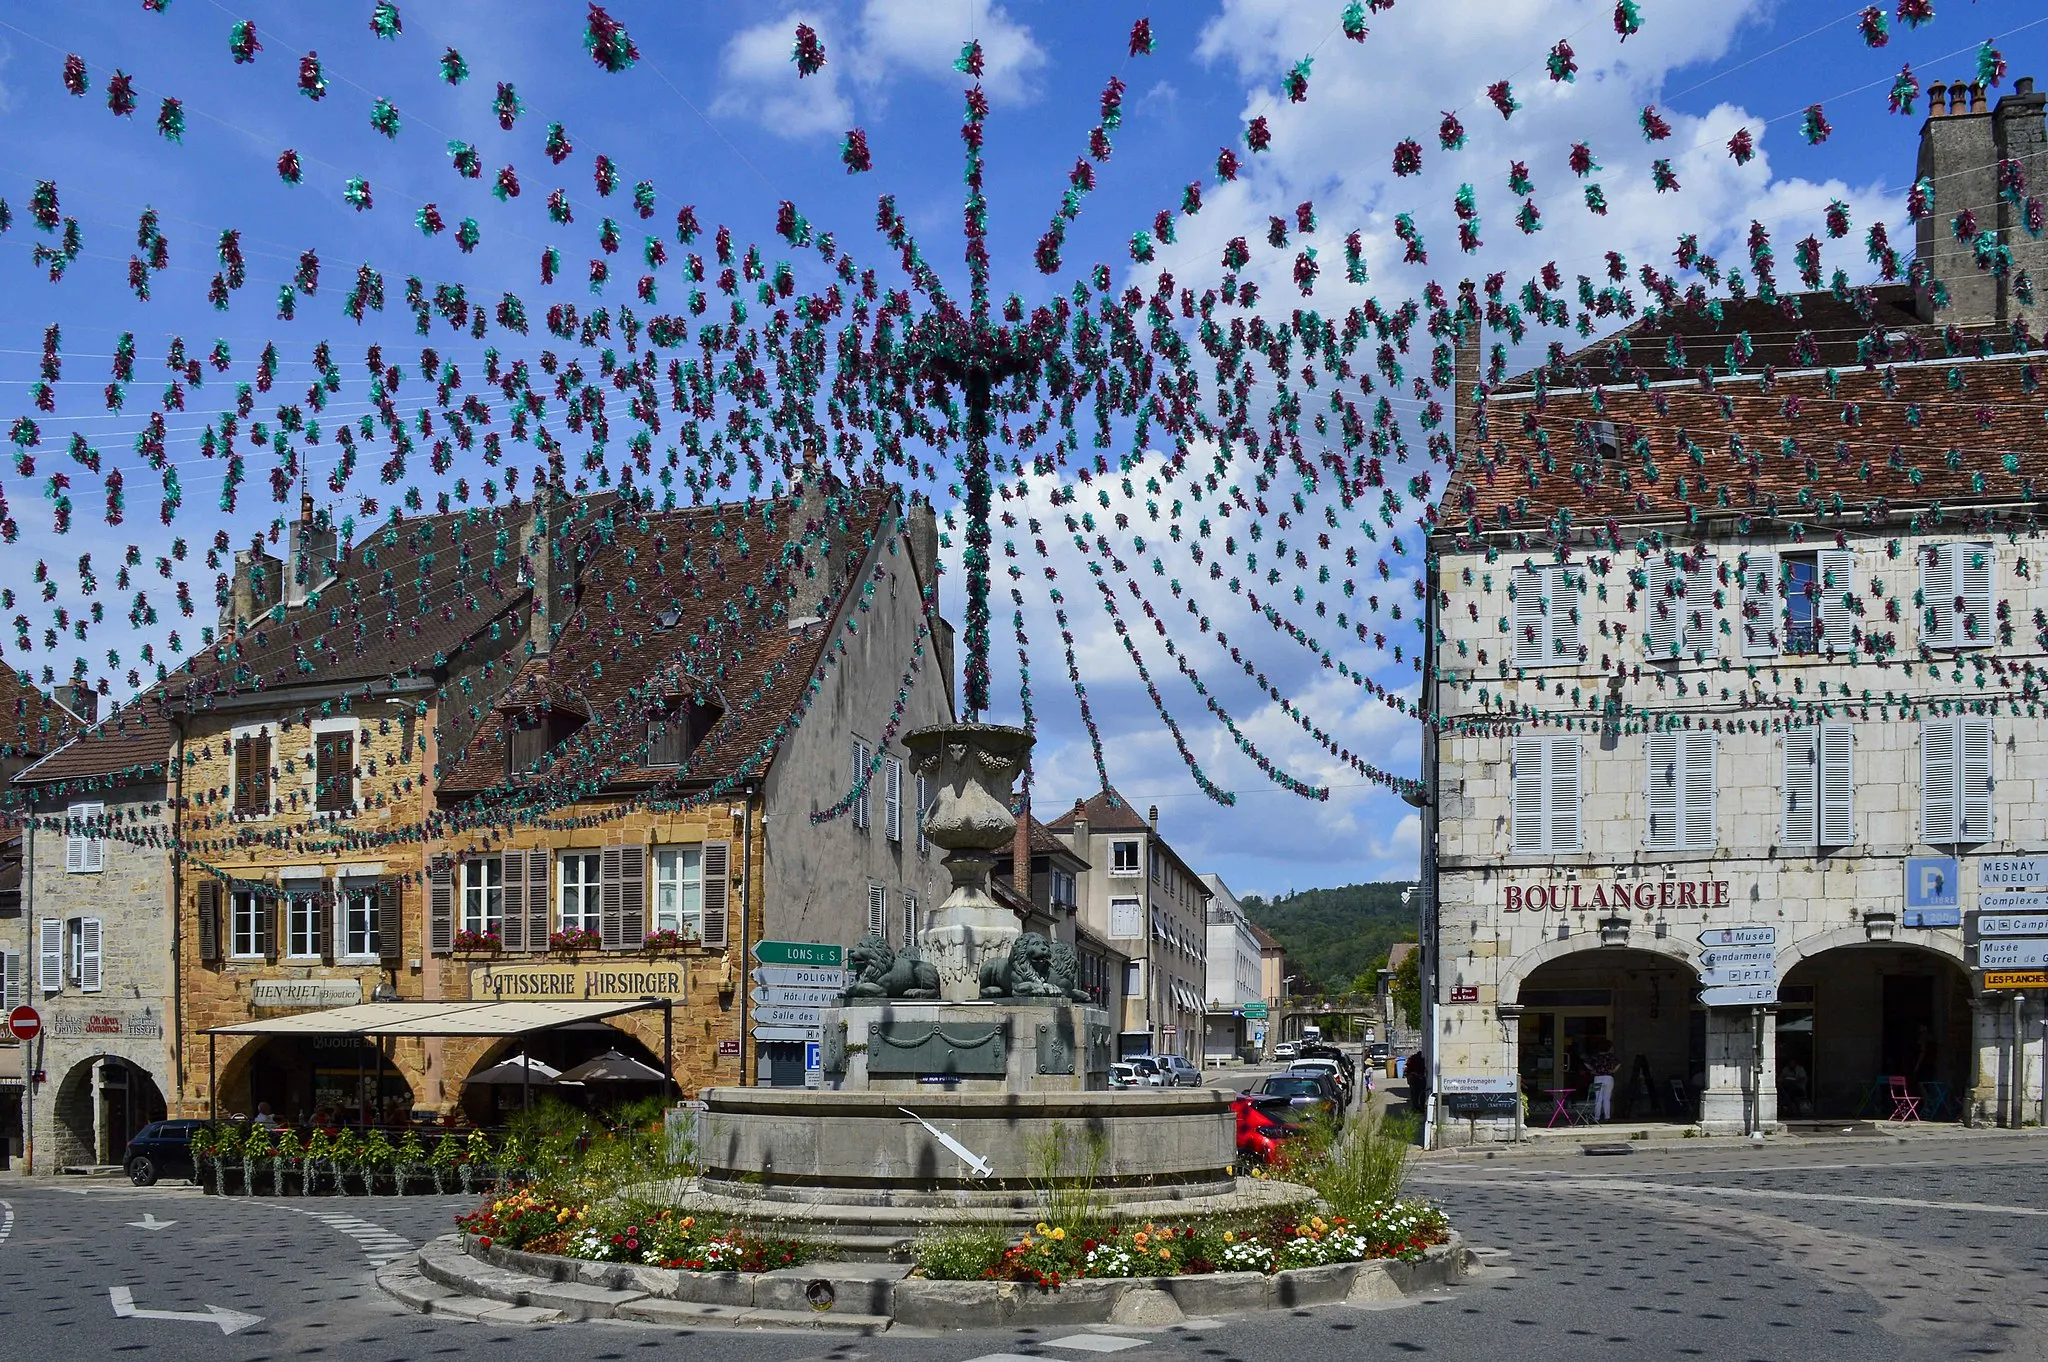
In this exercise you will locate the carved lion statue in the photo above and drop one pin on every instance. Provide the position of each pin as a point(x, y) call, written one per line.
point(1022, 973)
point(879, 972)
point(1065, 974)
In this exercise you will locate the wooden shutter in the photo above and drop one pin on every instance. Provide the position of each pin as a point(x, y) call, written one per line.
point(1660, 608)
point(1664, 790)
point(1799, 806)
point(1837, 785)
point(1563, 615)
point(1526, 796)
point(242, 757)
point(1836, 570)
point(91, 942)
point(50, 955)
point(1698, 616)
point(1698, 796)
point(512, 928)
point(334, 771)
point(1973, 575)
point(909, 919)
point(716, 870)
point(1562, 786)
point(268, 906)
point(1938, 593)
point(441, 906)
point(1974, 798)
point(325, 905)
point(390, 923)
point(878, 911)
point(892, 799)
point(539, 914)
point(1532, 635)
point(610, 923)
point(209, 922)
point(632, 896)
point(1759, 608)
point(1939, 812)
point(91, 853)
point(259, 773)
point(74, 847)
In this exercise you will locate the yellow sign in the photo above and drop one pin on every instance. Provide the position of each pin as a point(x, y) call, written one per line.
point(2015, 978)
point(604, 981)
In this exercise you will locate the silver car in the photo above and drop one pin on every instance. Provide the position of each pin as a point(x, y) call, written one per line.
point(1176, 1072)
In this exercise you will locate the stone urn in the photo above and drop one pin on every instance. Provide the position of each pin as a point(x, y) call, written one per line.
point(972, 767)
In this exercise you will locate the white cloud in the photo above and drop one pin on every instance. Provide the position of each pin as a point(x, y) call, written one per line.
point(925, 37)
point(759, 81)
point(7, 96)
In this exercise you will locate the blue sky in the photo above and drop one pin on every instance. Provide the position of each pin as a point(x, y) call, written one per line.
point(714, 116)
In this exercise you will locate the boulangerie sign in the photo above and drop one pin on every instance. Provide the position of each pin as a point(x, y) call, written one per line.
point(1567, 895)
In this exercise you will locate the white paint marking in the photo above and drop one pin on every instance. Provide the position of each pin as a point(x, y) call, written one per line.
point(6, 1221)
point(1005, 1357)
point(229, 1321)
point(1757, 1193)
point(150, 1222)
point(1096, 1343)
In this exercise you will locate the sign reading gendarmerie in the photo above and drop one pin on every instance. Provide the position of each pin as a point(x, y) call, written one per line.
point(603, 981)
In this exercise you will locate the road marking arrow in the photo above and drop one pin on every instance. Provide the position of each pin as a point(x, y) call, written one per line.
point(230, 1321)
point(150, 1222)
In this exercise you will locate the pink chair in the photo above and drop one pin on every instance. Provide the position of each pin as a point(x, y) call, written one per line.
point(1905, 1106)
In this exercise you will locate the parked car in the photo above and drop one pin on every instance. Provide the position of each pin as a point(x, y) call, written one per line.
point(161, 1149)
point(1122, 1075)
point(1265, 1125)
point(1328, 1067)
point(1306, 1090)
point(1286, 1049)
point(1379, 1053)
point(1175, 1071)
point(1148, 1071)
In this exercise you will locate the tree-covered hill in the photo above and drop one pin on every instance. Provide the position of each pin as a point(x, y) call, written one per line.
point(1335, 935)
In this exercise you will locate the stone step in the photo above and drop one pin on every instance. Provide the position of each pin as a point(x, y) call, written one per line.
point(403, 1282)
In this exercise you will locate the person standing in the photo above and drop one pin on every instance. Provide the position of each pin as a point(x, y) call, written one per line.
point(1417, 1072)
point(1605, 1065)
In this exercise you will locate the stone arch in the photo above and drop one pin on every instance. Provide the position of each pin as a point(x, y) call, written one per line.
point(1805, 948)
point(98, 1105)
point(1528, 962)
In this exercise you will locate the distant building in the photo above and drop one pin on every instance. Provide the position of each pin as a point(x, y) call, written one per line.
point(1232, 977)
point(1272, 983)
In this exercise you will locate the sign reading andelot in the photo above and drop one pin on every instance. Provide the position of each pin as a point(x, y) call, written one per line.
point(576, 983)
point(1569, 894)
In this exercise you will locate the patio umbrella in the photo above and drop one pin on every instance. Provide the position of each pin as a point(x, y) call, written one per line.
point(523, 1071)
point(612, 1067)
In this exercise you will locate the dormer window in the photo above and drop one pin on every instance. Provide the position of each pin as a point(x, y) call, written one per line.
point(675, 729)
point(530, 734)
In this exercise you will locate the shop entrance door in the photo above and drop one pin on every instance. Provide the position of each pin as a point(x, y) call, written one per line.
point(1555, 1043)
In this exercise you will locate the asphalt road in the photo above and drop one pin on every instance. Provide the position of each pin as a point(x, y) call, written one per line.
point(1931, 1250)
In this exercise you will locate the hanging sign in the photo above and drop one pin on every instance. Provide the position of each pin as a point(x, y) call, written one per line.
point(305, 992)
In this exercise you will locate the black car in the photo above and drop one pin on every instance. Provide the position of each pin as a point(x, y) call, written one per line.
point(1310, 1089)
point(161, 1149)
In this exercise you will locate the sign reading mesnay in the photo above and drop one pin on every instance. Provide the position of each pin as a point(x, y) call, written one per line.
point(2012, 872)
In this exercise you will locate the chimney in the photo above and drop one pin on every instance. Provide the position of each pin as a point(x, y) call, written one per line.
point(1080, 842)
point(1152, 817)
point(1963, 145)
point(2020, 127)
point(545, 528)
point(83, 701)
point(311, 551)
point(259, 581)
point(820, 504)
point(923, 530)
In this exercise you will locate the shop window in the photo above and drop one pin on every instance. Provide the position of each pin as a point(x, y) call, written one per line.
point(579, 892)
point(483, 896)
point(679, 890)
point(1682, 792)
point(1546, 616)
point(360, 937)
point(1955, 780)
point(1544, 794)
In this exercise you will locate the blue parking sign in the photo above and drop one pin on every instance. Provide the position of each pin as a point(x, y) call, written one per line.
point(1931, 882)
point(814, 1057)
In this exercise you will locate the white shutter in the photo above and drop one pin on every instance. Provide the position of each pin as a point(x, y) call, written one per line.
point(10, 980)
point(860, 775)
point(1666, 784)
point(1975, 797)
point(1836, 569)
point(1938, 591)
point(1699, 792)
point(90, 942)
point(1837, 785)
point(909, 920)
point(50, 955)
point(74, 849)
point(1938, 804)
point(878, 911)
point(1563, 794)
point(1532, 634)
point(1526, 796)
point(1699, 615)
point(892, 807)
point(1660, 608)
point(1798, 825)
point(1758, 604)
point(1563, 615)
point(924, 807)
point(1973, 574)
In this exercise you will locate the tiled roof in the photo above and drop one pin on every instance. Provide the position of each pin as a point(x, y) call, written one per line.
point(1267, 941)
point(1043, 843)
point(1106, 811)
point(129, 745)
point(31, 723)
point(1826, 449)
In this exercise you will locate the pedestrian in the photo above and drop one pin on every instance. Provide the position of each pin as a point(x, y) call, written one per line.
point(1417, 1071)
point(1605, 1065)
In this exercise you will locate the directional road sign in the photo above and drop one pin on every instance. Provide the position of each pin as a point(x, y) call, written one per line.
point(2012, 872)
point(776, 996)
point(799, 953)
point(1739, 936)
point(1738, 957)
point(2012, 924)
point(2015, 978)
point(795, 1033)
point(2005, 902)
point(2013, 952)
point(1739, 974)
point(1740, 995)
point(801, 976)
point(789, 1016)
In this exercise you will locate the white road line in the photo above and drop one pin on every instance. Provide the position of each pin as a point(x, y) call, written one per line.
point(1757, 1193)
point(6, 1221)
point(1096, 1343)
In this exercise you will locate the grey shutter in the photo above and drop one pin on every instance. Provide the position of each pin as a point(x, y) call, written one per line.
point(609, 925)
point(878, 911)
point(1836, 569)
point(1699, 793)
point(10, 980)
point(1562, 792)
point(1526, 797)
point(864, 793)
point(50, 955)
point(1973, 578)
point(512, 929)
point(1938, 592)
point(209, 922)
point(924, 806)
point(1698, 613)
point(716, 869)
point(1759, 605)
point(1563, 615)
point(632, 896)
point(390, 923)
point(1799, 812)
point(539, 906)
point(1975, 795)
point(909, 919)
point(1664, 790)
point(1939, 813)
point(324, 907)
point(1532, 637)
point(1661, 608)
point(1837, 785)
point(268, 907)
point(441, 906)
point(91, 943)
point(892, 798)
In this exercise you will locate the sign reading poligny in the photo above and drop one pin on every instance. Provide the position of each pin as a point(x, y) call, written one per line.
point(2012, 872)
point(563, 983)
point(1739, 936)
point(2024, 952)
point(305, 992)
point(801, 976)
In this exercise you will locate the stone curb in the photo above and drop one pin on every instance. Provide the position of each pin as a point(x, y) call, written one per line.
point(453, 1272)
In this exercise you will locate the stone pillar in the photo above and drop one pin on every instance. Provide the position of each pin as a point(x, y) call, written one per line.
point(1729, 1057)
point(1976, 1095)
point(1767, 1073)
point(1511, 1042)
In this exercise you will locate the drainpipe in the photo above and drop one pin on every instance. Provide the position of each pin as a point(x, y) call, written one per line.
point(745, 982)
point(1427, 933)
point(177, 905)
point(32, 1051)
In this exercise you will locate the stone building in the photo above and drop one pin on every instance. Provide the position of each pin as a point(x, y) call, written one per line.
point(1144, 900)
point(1233, 979)
point(1731, 642)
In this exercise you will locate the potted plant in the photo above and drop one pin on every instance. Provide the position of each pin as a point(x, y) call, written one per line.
point(667, 941)
point(575, 940)
point(468, 942)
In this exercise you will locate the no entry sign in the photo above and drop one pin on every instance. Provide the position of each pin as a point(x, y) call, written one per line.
point(25, 1022)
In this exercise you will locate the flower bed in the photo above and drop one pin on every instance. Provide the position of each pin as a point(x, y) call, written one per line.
point(642, 1235)
point(1051, 1254)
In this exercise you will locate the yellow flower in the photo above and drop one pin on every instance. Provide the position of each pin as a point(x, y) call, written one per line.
point(1318, 1223)
point(1059, 1234)
point(1026, 1243)
point(1229, 1238)
point(1166, 1254)
point(1041, 1227)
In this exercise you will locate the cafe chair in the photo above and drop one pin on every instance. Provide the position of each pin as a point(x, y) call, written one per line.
point(1905, 1106)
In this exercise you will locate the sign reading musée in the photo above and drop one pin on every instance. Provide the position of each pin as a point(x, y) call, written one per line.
point(561, 983)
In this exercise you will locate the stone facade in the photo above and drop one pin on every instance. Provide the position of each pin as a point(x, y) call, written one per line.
point(1233, 976)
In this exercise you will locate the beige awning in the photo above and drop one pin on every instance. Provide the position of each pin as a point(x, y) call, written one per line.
point(434, 1019)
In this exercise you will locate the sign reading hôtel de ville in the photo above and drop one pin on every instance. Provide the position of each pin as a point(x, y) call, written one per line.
point(1565, 895)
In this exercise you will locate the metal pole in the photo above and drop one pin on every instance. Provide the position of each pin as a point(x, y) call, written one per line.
point(2044, 1068)
point(212, 1077)
point(2015, 1108)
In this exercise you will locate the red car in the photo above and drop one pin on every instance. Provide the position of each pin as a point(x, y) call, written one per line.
point(1265, 1124)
